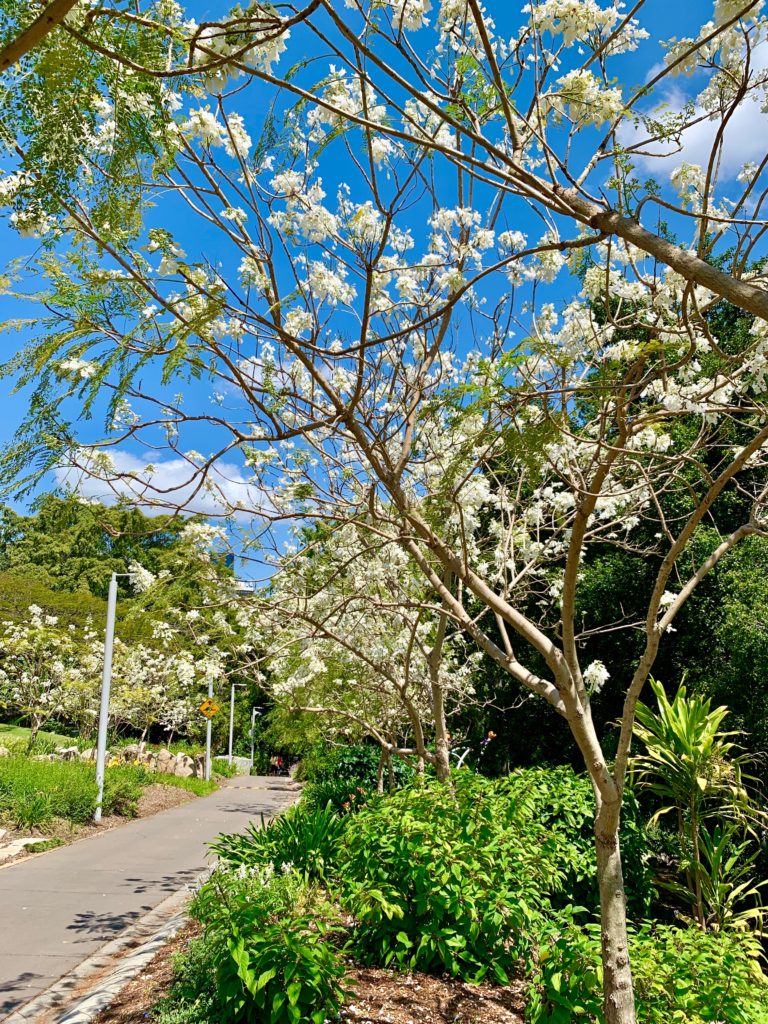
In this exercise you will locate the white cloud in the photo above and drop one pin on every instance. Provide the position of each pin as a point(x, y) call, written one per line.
point(743, 140)
point(169, 484)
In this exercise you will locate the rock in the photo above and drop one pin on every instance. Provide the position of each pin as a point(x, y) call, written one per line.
point(88, 755)
point(43, 757)
point(5, 752)
point(184, 771)
point(131, 752)
point(67, 753)
point(19, 846)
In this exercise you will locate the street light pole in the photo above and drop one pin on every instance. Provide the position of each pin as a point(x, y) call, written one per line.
point(106, 682)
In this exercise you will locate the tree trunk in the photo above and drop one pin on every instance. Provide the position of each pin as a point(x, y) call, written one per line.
point(34, 728)
point(618, 994)
point(391, 773)
point(442, 755)
point(380, 772)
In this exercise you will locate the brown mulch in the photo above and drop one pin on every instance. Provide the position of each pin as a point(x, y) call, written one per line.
point(153, 800)
point(385, 997)
point(135, 1001)
point(379, 996)
point(157, 798)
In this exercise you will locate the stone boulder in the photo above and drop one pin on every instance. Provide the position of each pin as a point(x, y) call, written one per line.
point(131, 752)
point(185, 766)
point(67, 753)
point(88, 755)
point(5, 752)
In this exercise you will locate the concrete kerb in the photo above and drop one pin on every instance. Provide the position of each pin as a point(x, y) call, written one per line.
point(72, 999)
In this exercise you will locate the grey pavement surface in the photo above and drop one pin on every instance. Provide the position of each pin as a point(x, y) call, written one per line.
point(60, 907)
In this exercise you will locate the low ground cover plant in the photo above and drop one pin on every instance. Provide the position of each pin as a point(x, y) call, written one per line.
point(32, 793)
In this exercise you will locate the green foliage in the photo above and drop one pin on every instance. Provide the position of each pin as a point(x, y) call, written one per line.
point(439, 881)
point(307, 838)
point(345, 776)
point(33, 792)
point(222, 767)
point(695, 771)
point(265, 948)
point(681, 975)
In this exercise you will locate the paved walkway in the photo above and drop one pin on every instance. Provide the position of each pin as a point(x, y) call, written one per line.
point(59, 908)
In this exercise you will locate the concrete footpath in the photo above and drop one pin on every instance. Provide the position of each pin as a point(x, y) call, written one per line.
point(58, 908)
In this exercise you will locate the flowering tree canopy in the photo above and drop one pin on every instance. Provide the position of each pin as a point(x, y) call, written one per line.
point(438, 302)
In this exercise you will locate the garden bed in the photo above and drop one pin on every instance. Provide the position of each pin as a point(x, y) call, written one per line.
point(378, 996)
point(51, 803)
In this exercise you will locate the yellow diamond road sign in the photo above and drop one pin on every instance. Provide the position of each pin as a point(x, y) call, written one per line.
point(209, 708)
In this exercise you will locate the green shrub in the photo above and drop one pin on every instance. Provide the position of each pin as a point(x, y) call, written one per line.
point(32, 808)
point(33, 792)
point(221, 766)
point(441, 882)
point(122, 791)
point(307, 838)
point(346, 776)
point(563, 802)
point(264, 948)
point(681, 975)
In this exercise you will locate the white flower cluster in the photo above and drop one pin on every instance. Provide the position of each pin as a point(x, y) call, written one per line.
point(205, 125)
point(582, 97)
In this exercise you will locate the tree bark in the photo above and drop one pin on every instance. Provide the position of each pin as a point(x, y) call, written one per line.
point(380, 772)
point(53, 14)
point(618, 993)
point(442, 754)
point(391, 773)
point(34, 728)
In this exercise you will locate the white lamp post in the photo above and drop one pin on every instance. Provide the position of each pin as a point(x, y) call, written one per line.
point(106, 682)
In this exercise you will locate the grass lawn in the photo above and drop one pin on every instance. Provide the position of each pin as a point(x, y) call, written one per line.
point(16, 737)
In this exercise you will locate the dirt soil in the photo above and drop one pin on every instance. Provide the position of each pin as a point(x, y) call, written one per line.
point(136, 1000)
point(154, 799)
point(380, 996)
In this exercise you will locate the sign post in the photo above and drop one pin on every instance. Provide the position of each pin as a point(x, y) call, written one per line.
point(208, 709)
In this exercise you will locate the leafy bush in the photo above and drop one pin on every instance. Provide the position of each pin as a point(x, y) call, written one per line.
point(307, 838)
point(442, 882)
point(221, 766)
point(466, 881)
point(267, 949)
point(33, 792)
point(682, 976)
point(345, 776)
point(563, 801)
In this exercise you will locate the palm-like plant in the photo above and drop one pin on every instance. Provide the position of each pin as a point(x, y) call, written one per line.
point(697, 771)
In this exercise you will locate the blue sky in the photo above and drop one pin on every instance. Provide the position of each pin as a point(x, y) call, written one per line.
point(662, 19)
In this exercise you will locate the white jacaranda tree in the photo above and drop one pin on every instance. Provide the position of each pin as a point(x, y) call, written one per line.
point(443, 305)
point(350, 632)
point(39, 667)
